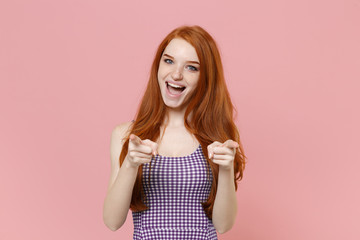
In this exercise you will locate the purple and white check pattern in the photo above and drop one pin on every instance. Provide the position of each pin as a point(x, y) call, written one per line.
point(174, 194)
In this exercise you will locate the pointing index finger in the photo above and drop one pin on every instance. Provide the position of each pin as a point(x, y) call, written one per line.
point(135, 139)
point(151, 144)
point(231, 144)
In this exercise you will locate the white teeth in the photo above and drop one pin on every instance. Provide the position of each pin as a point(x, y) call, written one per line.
point(174, 85)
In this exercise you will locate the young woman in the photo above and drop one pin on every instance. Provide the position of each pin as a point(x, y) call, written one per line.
point(176, 166)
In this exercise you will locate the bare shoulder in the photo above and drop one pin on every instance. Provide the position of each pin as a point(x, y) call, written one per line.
point(120, 131)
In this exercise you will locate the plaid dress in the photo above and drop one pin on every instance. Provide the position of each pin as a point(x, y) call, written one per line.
point(174, 194)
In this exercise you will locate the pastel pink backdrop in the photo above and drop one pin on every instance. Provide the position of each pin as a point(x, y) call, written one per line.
point(72, 70)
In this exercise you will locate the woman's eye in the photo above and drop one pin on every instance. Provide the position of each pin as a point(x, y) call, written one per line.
point(192, 68)
point(169, 61)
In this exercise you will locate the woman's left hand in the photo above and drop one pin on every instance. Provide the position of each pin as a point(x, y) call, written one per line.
point(223, 154)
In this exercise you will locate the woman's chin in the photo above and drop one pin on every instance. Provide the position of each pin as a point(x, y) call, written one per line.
point(175, 106)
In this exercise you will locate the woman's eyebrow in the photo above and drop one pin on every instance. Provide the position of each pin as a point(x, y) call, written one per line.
point(167, 55)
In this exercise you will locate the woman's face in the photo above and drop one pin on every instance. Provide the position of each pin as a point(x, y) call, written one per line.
point(178, 73)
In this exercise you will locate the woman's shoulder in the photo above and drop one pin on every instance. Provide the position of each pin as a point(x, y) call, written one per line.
point(121, 130)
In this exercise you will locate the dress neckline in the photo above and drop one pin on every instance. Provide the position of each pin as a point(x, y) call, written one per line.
point(197, 149)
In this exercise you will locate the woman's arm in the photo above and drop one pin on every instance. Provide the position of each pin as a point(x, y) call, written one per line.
point(121, 184)
point(225, 205)
point(122, 180)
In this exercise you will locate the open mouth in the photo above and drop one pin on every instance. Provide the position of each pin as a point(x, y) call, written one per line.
point(174, 89)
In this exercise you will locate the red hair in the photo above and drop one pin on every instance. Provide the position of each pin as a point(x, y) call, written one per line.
point(210, 105)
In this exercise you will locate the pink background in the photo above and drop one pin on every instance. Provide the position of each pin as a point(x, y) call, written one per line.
point(72, 70)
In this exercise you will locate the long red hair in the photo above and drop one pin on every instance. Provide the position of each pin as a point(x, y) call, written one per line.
point(210, 105)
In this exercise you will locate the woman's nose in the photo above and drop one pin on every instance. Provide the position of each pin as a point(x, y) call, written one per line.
point(177, 75)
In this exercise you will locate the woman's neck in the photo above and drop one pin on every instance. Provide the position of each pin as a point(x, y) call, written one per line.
point(175, 118)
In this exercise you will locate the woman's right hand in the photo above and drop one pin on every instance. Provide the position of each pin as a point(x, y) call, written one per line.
point(140, 151)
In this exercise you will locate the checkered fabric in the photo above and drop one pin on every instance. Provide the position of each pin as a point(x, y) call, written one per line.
point(174, 194)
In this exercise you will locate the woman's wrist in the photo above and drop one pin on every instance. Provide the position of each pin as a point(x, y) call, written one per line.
point(129, 166)
point(226, 169)
point(226, 174)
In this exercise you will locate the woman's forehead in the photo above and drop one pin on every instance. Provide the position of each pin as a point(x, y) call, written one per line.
point(180, 48)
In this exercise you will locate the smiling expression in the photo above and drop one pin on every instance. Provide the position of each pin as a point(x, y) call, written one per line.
point(178, 73)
